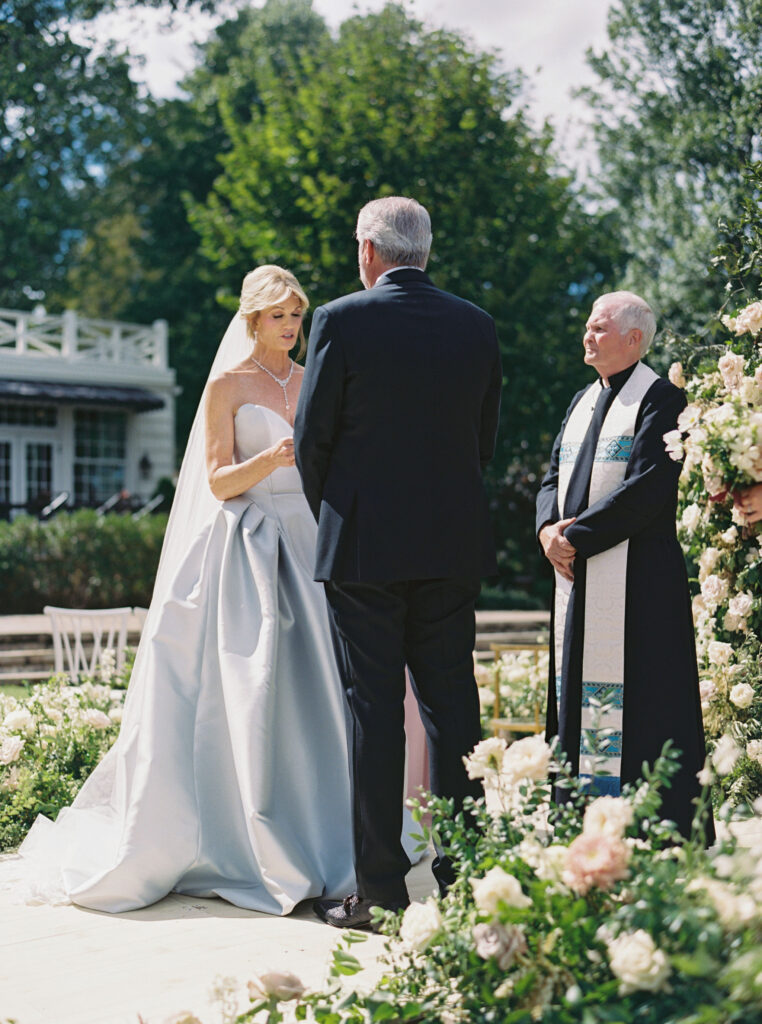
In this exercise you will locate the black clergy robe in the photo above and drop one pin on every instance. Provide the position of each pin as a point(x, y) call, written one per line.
point(661, 695)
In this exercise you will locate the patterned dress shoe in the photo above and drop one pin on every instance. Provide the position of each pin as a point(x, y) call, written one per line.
point(352, 912)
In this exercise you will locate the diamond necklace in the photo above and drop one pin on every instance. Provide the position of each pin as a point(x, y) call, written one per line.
point(283, 381)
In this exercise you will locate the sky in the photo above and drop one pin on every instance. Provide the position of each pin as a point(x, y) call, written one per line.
point(546, 38)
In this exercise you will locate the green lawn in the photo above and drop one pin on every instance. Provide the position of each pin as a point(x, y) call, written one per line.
point(12, 690)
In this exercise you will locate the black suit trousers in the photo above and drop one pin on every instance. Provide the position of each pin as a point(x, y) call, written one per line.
point(378, 629)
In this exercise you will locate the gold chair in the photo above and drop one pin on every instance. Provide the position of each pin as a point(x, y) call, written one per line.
point(514, 725)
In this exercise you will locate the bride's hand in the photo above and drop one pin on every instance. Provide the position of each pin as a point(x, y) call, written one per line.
point(282, 453)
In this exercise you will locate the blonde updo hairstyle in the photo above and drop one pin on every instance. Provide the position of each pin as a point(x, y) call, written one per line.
point(268, 286)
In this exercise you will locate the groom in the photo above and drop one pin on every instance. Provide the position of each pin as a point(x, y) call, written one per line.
point(397, 418)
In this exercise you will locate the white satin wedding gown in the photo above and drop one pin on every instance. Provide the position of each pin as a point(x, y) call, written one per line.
point(230, 776)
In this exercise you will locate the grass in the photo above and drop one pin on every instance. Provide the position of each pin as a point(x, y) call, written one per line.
point(14, 690)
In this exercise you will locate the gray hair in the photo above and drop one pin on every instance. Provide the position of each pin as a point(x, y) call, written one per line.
point(399, 228)
point(632, 311)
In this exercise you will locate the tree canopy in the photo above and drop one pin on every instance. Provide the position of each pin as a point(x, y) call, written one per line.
point(677, 120)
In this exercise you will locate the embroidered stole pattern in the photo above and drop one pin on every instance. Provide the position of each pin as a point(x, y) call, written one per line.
point(600, 748)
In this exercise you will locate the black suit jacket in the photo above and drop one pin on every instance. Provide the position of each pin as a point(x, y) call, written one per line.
point(397, 417)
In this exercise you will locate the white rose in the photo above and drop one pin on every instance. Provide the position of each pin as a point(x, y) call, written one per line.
point(498, 942)
point(526, 759)
point(688, 418)
point(732, 622)
point(730, 536)
point(691, 518)
point(281, 985)
point(725, 755)
point(741, 605)
point(10, 749)
point(676, 375)
point(742, 695)
point(749, 319)
point(496, 886)
point(115, 714)
point(673, 442)
point(420, 923)
point(486, 758)
point(712, 476)
point(719, 652)
point(731, 366)
point(607, 816)
point(754, 750)
point(551, 863)
point(638, 963)
point(707, 690)
point(21, 720)
point(708, 560)
point(96, 719)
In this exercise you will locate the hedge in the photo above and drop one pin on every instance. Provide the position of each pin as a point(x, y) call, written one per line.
point(78, 560)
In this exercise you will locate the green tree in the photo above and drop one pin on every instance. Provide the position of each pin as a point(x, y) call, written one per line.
point(390, 107)
point(142, 235)
point(68, 114)
point(677, 120)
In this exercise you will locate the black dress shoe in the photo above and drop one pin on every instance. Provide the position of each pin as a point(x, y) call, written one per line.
point(352, 912)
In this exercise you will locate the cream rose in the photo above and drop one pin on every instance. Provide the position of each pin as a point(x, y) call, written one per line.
point(499, 942)
point(420, 923)
point(498, 886)
point(741, 605)
point(638, 962)
point(707, 690)
point(720, 653)
point(676, 375)
point(714, 590)
point(486, 758)
point(526, 759)
point(607, 816)
point(725, 755)
point(731, 366)
point(10, 749)
point(96, 719)
point(673, 442)
point(281, 985)
point(691, 518)
point(742, 695)
point(20, 720)
point(754, 750)
point(707, 561)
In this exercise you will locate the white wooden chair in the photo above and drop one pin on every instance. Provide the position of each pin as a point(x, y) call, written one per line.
point(80, 636)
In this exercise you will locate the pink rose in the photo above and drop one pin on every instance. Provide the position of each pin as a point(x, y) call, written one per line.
point(595, 861)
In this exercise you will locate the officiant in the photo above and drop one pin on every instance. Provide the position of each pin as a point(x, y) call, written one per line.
point(623, 676)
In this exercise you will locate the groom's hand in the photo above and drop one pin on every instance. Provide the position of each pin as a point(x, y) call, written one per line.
point(558, 550)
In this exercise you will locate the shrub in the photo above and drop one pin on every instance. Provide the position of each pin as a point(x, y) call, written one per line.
point(78, 560)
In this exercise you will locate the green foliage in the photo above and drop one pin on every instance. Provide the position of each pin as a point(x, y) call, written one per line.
point(724, 554)
point(677, 121)
point(79, 560)
point(520, 937)
point(63, 731)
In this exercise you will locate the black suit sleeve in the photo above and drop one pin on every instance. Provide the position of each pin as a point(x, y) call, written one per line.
point(491, 408)
point(651, 479)
point(319, 409)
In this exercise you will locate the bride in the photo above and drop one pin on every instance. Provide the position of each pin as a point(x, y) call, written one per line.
point(230, 775)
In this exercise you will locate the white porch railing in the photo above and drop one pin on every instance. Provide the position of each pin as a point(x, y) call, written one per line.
point(81, 339)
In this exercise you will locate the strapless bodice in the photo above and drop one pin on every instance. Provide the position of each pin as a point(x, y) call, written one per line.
point(257, 428)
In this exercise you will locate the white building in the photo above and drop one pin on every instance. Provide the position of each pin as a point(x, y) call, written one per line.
point(86, 407)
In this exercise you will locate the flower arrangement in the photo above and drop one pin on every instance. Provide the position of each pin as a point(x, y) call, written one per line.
point(719, 436)
point(50, 741)
point(581, 913)
point(522, 681)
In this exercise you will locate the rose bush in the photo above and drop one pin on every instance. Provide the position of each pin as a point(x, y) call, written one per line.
point(50, 741)
point(719, 436)
point(590, 912)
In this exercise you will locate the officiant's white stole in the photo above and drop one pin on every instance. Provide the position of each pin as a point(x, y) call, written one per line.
point(600, 749)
